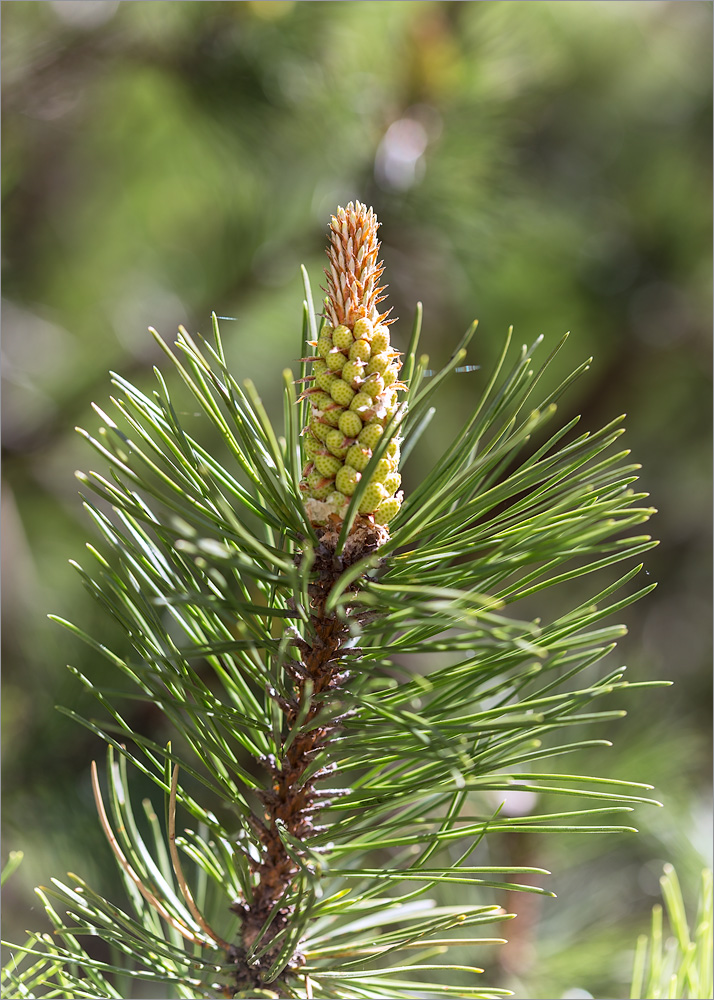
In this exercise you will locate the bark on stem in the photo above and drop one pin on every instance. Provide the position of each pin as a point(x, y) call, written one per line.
point(321, 670)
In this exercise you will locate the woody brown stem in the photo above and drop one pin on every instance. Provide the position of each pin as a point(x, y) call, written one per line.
point(320, 671)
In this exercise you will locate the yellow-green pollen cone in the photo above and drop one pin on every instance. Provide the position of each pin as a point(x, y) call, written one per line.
point(354, 384)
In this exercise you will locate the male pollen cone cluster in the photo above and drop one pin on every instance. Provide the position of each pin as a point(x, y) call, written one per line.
point(354, 381)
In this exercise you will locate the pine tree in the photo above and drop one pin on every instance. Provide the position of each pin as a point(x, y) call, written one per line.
point(283, 601)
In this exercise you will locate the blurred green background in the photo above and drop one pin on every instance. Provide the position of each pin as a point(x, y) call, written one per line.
point(542, 164)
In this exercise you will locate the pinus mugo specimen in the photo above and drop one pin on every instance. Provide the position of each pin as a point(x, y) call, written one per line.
point(282, 602)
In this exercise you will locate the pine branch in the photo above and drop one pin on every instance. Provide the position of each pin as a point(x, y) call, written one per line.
point(270, 588)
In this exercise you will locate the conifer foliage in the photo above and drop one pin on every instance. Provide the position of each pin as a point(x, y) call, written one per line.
point(325, 780)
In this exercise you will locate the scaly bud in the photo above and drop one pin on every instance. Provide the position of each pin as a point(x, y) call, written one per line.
point(355, 381)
